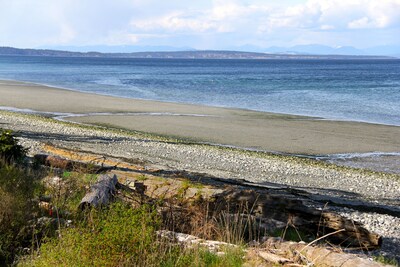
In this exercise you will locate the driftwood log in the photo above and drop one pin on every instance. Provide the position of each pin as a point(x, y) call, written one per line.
point(264, 204)
point(70, 165)
point(101, 193)
point(311, 255)
point(277, 252)
point(263, 207)
point(287, 209)
point(53, 161)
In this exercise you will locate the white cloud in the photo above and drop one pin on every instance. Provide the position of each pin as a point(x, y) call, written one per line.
point(338, 14)
point(235, 17)
point(327, 27)
point(209, 22)
point(176, 21)
point(364, 22)
point(222, 17)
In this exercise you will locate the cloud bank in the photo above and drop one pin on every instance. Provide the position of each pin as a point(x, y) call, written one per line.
point(204, 24)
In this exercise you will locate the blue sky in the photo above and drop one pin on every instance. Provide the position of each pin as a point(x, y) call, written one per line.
point(205, 24)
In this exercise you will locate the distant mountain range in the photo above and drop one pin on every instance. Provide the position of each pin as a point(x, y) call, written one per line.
point(190, 54)
point(327, 50)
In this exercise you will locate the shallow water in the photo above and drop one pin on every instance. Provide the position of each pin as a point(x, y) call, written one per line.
point(378, 161)
point(356, 90)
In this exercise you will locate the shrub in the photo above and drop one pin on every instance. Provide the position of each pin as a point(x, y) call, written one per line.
point(10, 150)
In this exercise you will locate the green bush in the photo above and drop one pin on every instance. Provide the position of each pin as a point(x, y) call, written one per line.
point(10, 150)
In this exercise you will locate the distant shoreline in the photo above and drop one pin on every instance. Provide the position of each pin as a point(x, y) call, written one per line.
point(197, 54)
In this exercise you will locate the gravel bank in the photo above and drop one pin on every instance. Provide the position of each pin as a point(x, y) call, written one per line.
point(325, 180)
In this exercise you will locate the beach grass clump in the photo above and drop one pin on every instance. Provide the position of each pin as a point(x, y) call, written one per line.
point(68, 190)
point(114, 236)
point(121, 236)
point(386, 260)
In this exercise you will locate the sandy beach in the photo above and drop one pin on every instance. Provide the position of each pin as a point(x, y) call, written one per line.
point(232, 127)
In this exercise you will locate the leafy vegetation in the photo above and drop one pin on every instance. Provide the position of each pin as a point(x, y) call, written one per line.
point(10, 150)
point(386, 260)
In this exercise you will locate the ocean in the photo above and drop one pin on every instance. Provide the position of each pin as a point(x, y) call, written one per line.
point(354, 90)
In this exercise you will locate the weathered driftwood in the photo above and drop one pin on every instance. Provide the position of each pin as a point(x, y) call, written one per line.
point(273, 258)
point(70, 165)
point(101, 192)
point(278, 252)
point(53, 161)
point(264, 208)
point(192, 241)
point(284, 208)
point(316, 255)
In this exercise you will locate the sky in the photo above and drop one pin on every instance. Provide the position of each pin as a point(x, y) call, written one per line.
point(202, 24)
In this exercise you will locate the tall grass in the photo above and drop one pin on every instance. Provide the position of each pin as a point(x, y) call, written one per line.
point(18, 189)
point(121, 236)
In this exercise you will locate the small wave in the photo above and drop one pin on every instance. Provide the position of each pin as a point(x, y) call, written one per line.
point(347, 156)
point(109, 81)
point(63, 115)
point(387, 162)
point(31, 111)
point(20, 83)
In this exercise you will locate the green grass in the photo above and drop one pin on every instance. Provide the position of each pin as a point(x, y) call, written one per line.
point(293, 234)
point(232, 257)
point(386, 260)
point(67, 194)
point(111, 237)
point(141, 178)
point(18, 189)
point(122, 236)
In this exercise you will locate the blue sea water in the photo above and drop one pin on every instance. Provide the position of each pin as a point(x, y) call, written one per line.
point(356, 90)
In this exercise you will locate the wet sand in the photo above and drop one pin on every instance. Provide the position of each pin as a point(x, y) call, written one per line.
point(233, 127)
